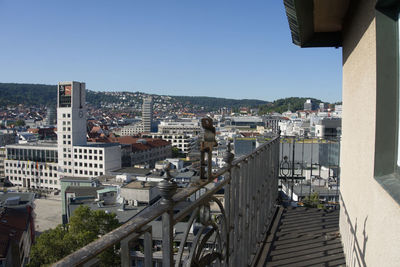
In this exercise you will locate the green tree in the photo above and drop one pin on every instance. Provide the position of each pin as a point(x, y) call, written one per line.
point(175, 152)
point(312, 201)
point(85, 226)
point(20, 123)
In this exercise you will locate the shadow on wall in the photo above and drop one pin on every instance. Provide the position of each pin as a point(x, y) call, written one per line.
point(355, 254)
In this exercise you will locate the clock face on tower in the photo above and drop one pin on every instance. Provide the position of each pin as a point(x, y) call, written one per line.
point(80, 114)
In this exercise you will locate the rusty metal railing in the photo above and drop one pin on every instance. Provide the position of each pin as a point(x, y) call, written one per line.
point(233, 236)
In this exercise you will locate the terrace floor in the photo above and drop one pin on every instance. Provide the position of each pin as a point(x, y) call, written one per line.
point(304, 237)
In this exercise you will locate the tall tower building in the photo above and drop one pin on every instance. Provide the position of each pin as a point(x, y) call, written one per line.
point(51, 115)
point(147, 114)
point(71, 123)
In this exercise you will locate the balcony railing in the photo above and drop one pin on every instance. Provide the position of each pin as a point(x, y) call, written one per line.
point(231, 234)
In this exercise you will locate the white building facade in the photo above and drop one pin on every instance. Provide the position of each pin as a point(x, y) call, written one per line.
point(42, 164)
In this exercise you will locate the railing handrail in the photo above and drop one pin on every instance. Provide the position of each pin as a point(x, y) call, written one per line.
point(154, 211)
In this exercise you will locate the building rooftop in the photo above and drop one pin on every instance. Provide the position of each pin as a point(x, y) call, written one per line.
point(99, 145)
point(49, 144)
point(133, 171)
point(106, 190)
point(140, 185)
point(83, 191)
point(76, 178)
point(24, 199)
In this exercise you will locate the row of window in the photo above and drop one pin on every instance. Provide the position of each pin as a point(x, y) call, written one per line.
point(86, 172)
point(85, 151)
point(31, 173)
point(34, 180)
point(32, 166)
point(88, 157)
point(90, 165)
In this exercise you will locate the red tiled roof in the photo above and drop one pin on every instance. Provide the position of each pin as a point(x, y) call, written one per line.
point(131, 140)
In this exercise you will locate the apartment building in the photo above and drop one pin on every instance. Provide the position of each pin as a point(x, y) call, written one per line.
point(191, 127)
point(134, 129)
point(17, 229)
point(185, 143)
point(143, 150)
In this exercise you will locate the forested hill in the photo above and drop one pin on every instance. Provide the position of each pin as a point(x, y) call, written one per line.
point(285, 104)
point(212, 102)
point(40, 94)
point(27, 94)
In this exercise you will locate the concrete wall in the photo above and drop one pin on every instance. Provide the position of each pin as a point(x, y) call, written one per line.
point(370, 217)
point(112, 158)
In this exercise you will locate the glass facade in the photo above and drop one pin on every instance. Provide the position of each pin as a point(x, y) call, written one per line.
point(39, 155)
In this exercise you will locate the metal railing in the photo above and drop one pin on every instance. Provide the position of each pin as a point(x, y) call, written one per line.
point(233, 236)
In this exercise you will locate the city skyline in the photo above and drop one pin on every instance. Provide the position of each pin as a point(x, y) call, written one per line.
point(230, 50)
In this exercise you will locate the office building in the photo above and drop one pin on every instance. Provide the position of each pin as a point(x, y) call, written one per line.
point(51, 115)
point(147, 114)
point(42, 164)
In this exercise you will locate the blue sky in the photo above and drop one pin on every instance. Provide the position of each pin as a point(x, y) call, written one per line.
point(233, 49)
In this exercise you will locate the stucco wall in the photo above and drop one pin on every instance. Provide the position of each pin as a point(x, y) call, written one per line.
point(370, 218)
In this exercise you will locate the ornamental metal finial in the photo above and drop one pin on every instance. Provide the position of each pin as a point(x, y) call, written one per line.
point(167, 186)
point(228, 155)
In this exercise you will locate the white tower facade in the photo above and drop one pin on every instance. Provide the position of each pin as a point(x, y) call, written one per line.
point(71, 123)
point(147, 114)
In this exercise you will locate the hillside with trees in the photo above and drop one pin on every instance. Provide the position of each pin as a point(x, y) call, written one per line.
point(214, 102)
point(27, 94)
point(44, 95)
point(12, 94)
point(285, 104)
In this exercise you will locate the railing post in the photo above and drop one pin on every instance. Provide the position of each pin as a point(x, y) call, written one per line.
point(148, 249)
point(228, 158)
point(167, 189)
